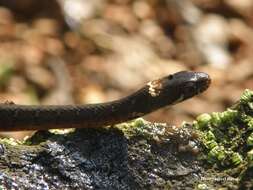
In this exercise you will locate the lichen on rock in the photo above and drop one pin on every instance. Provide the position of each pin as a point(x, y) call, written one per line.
point(227, 138)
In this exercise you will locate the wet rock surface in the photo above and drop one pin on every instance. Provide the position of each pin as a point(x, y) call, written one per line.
point(96, 159)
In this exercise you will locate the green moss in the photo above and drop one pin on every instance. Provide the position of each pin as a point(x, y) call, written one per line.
point(236, 158)
point(216, 153)
point(246, 96)
point(10, 141)
point(250, 158)
point(248, 120)
point(227, 136)
point(250, 140)
point(225, 117)
point(203, 120)
point(140, 127)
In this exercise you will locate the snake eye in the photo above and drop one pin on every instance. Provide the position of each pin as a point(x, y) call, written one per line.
point(170, 77)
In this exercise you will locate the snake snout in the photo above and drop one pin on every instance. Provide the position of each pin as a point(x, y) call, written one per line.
point(203, 81)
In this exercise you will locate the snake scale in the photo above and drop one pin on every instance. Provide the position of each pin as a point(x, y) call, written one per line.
point(156, 94)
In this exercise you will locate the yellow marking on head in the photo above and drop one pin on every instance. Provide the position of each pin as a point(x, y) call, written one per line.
point(154, 88)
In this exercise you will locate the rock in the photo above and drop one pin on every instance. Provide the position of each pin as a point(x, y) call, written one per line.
point(99, 159)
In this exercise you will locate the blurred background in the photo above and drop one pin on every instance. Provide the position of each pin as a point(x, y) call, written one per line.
point(83, 51)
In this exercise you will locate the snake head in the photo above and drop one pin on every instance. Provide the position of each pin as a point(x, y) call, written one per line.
point(183, 85)
point(166, 91)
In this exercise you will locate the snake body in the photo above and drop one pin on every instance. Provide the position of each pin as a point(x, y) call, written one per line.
point(156, 94)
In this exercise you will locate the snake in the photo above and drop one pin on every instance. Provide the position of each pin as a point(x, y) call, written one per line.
point(156, 94)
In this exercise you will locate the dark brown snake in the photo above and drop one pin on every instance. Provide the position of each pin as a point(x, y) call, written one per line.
point(156, 94)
